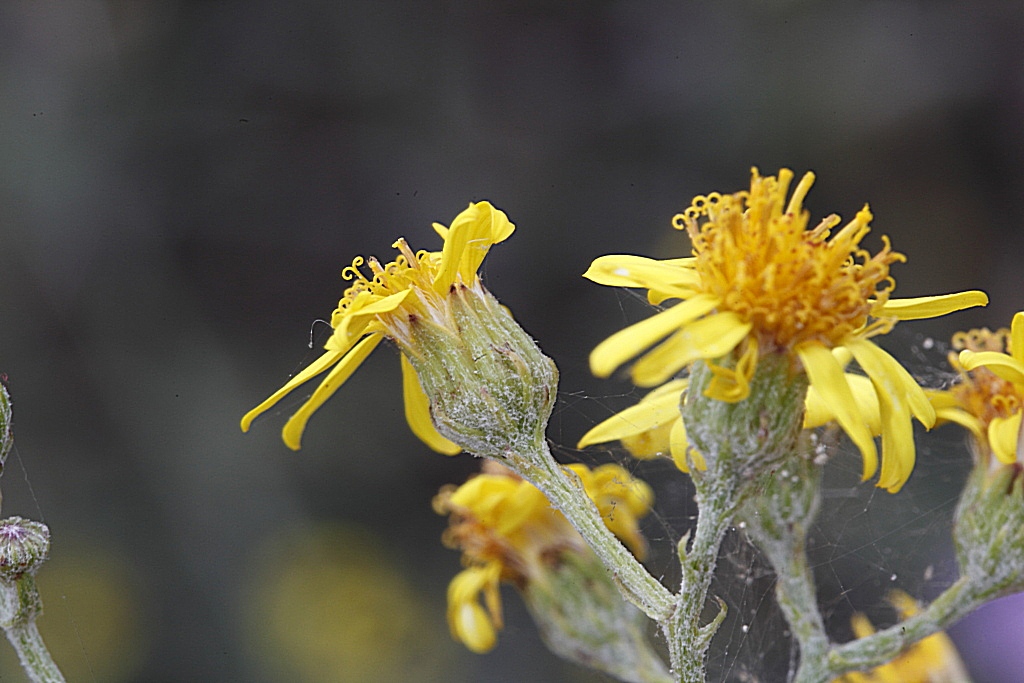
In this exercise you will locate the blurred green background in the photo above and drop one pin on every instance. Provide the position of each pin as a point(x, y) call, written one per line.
point(182, 183)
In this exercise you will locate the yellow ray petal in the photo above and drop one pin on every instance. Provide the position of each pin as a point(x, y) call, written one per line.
point(469, 238)
point(1017, 337)
point(962, 418)
point(884, 370)
point(292, 432)
point(417, 412)
point(933, 306)
point(710, 337)
point(315, 368)
point(826, 376)
point(652, 411)
point(628, 342)
point(1004, 437)
point(351, 325)
point(898, 453)
point(1007, 367)
point(683, 455)
point(818, 412)
point(625, 270)
point(659, 294)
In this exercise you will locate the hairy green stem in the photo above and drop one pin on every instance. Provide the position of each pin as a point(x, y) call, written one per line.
point(566, 494)
point(797, 598)
point(19, 606)
point(688, 641)
point(955, 602)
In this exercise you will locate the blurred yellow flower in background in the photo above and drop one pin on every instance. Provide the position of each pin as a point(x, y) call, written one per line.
point(327, 604)
point(508, 532)
point(413, 287)
point(760, 282)
point(930, 660)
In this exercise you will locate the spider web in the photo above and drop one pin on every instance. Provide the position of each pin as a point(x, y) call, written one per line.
point(864, 543)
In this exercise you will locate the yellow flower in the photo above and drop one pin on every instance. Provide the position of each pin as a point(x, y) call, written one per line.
point(989, 399)
point(930, 660)
point(385, 303)
point(508, 531)
point(760, 282)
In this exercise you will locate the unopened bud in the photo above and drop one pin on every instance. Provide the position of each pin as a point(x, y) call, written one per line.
point(24, 546)
point(490, 387)
point(582, 617)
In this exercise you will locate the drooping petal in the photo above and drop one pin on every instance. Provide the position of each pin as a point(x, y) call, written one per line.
point(933, 306)
point(885, 370)
point(947, 409)
point(1004, 437)
point(624, 270)
point(732, 385)
point(351, 326)
point(417, 412)
point(962, 418)
point(898, 453)
point(710, 337)
point(467, 619)
point(826, 376)
point(682, 453)
point(628, 342)
point(292, 432)
point(817, 412)
point(1007, 367)
point(651, 412)
point(315, 368)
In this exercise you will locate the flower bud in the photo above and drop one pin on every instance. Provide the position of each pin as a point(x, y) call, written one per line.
point(491, 389)
point(582, 617)
point(24, 546)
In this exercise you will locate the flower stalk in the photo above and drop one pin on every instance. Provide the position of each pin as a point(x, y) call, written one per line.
point(20, 604)
point(24, 546)
point(565, 492)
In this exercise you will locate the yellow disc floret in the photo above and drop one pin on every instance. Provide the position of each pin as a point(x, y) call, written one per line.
point(755, 255)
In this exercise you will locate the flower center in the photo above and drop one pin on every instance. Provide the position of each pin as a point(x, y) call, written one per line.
point(982, 393)
point(755, 254)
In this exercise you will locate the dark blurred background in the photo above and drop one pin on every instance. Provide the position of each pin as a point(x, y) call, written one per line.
point(182, 183)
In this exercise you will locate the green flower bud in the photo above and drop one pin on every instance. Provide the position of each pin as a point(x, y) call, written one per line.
point(24, 546)
point(583, 617)
point(491, 389)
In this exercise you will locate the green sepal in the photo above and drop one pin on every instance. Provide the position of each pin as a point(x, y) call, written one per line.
point(583, 618)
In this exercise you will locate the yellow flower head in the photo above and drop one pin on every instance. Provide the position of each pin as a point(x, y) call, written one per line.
point(385, 303)
point(989, 399)
point(508, 531)
point(760, 282)
point(931, 660)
